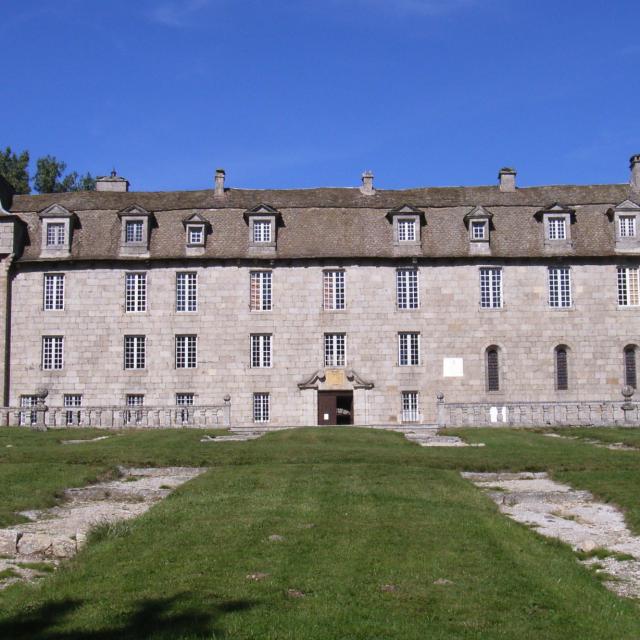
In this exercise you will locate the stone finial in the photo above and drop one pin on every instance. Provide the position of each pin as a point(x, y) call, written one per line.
point(367, 184)
point(634, 165)
point(112, 182)
point(507, 179)
point(219, 182)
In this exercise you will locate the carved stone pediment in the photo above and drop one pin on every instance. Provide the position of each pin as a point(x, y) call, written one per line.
point(321, 376)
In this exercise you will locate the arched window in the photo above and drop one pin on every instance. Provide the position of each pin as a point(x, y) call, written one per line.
point(493, 370)
point(630, 377)
point(562, 371)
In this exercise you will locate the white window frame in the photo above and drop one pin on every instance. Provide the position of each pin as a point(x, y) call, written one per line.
point(72, 401)
point(135, 352)
point(261, 351)
point(628, 286)
point(135, 292)
point(28, 417)
point(335, 349)
point(185, 401)
point(262, 231)
point(627, 226)
point(557, 227)
point(132, 416)
point(407, 229)
point(559, 286)
point(410, 406)
point(479, 230)
point(260, 291)
point(134, 231)
point(407, 288)
point(52, 353)
point(408, 348)
point(491, 287)
point(186, 351)
point(261, 407)
point(195, 235)
point(186, 292)
point(53, 291)
point(333, 289)
point(56, 233)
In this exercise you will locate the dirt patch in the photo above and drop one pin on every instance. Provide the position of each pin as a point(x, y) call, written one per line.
point(57, 533)
point(558, 511)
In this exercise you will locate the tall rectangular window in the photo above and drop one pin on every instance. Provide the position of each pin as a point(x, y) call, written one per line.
point(406, 230)
point(133, 231)
point(407, 289)
point(261, 231)
point(410, 411)
point(134, 352)
point(408, 348)
point(260, 297)
point(333, 290)
point(627, 226)
point(559, 287)
point(135, 296)
point(72, 401)
point(187, 292)
point(28, 417)
point(186, 352)
point(557, 229)
point(491, 287)
point(131, 415)
point(628, 286)
point(184, 401)
point(261, 408)
point(53, 291)
point(52, 352)
point(335, 345)
point(55, 234)
point(260, 350)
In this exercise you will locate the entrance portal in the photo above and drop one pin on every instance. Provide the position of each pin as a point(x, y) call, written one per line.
point(335, 407)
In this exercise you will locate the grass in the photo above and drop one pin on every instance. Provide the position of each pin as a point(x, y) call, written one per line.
point(359, 512)
point(8, 573)
point(42, 567)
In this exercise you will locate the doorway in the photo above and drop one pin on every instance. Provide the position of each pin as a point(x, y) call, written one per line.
point(335, 407)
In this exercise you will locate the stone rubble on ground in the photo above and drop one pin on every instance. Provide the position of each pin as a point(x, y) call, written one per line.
point(558, 511)
point(614, 446)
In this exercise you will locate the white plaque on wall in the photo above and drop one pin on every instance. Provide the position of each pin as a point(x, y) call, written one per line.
point(452, 368)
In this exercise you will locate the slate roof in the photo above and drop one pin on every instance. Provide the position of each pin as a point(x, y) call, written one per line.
point(333, 222)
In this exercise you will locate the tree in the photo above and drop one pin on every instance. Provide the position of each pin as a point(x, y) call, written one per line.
point(50, 177)
point(15, 169)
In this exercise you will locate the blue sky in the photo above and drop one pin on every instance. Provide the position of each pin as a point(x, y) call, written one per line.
point(303, 93)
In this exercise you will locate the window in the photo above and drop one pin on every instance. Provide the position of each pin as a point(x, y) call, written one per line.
point(135, 292)
point(55, 234)
point(260, 350)
point(28, 417)
point(52, 352)
point(493, 372)
point(186, 292)
point(195, 234)
point(557, 229)
point(410, 406)
point(260, 291)
point(491, 288)
point(134, 352)
point(53, 291)
point(562, 371)
point(406, 230)
point(478, 230)
point(630, 377)
point(408, 349)
point(628, 286)
point(333, 290)
point(133, 416)
point(184, 401)
point(186, 352)
point(261, 231)
point(559, 287)
point(334, 349)
point(261, 409)
point(407, 289)
point(627, 226)
point(134, 231)
point(72, 401)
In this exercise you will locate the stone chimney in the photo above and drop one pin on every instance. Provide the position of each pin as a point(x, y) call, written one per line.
point(634, 164)
point(219, 181)
point(367, 184)
point(112, 182)
point(507, 179)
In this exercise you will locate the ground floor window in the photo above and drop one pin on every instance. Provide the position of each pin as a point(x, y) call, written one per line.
point(184, 401)
point(28, 417)
point(410, 411)
point(261, 407)
point(72, 400)
point(133, 416)
point(630, 377)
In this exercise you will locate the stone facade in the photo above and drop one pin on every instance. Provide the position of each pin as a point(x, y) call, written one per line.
point(308, 239)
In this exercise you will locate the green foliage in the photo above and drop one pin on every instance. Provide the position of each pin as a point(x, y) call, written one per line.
point(15, 169)
point(50, 177)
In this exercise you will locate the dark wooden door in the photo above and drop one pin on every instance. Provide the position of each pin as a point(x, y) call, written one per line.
point(326, 407)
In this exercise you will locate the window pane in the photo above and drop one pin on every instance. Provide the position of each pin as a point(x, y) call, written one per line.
point(493, 375)
point(562, 374)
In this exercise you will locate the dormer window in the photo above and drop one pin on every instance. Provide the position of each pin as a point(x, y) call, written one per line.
point(262, 231)
point(263, 222)
point(626, 226)
point(196, 228)
point(136, 231)
point(557, 220)
point(625, 219)
point(57, 226)
point(556, 228)
point(478, 222)
point(55, 234)
point(406, 221)
point(195, 234)
point(479, 230)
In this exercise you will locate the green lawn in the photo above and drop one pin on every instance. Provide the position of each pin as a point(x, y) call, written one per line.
point(382, 539)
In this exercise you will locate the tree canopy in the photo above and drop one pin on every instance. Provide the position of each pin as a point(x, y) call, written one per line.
point(15, 168)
